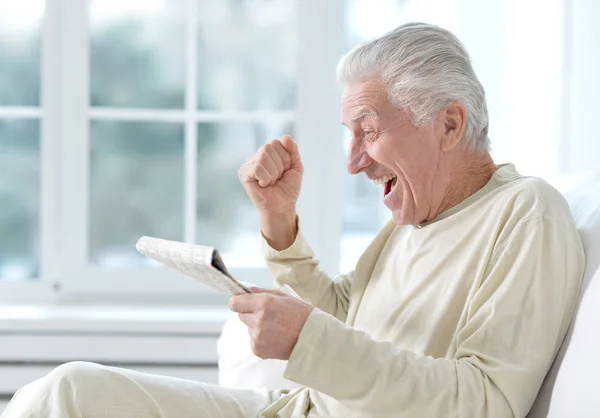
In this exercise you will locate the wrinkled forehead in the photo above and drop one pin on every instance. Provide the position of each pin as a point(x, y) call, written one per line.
point(365, 98)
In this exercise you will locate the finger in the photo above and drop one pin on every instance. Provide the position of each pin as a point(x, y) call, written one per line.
point(247, 303)
point(266, 161)
point(262, 175)
point(248, 319)
point(271, 149)
point(275, 167)
point(283, 154)
point(292, 148)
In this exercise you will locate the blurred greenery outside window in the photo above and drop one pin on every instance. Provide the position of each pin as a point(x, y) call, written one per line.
point(20, 57)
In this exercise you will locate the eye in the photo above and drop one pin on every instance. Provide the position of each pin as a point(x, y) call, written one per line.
point(369, 135)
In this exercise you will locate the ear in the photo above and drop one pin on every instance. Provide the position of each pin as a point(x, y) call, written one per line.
point(453, 121)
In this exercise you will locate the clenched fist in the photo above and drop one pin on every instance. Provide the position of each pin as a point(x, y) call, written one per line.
point(272, 179)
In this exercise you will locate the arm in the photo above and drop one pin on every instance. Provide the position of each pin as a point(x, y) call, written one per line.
point(296, 267)
point(273, 179)
point(516, 322)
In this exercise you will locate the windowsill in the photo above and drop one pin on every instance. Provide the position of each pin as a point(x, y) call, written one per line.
point(165, 319)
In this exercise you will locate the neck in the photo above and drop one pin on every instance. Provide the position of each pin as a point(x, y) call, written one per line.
point(468, 175)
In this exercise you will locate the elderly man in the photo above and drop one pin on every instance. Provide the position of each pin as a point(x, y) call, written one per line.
point(457, 308)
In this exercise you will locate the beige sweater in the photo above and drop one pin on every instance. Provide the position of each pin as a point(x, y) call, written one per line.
point(459, 317)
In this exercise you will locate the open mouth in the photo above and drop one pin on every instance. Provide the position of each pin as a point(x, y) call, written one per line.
point(388, 183)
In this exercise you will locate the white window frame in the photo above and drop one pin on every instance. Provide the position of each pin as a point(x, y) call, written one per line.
point(66, 113)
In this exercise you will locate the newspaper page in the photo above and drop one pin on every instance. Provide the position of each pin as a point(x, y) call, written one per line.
point(197, 261)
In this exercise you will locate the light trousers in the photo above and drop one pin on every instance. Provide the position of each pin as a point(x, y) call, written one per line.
point(88, 390)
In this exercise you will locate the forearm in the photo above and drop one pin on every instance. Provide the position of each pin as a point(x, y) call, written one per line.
point(376, 378)
point(297, 267)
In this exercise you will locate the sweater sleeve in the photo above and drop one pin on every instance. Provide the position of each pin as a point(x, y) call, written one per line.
point(516, 322)
point(297, 267)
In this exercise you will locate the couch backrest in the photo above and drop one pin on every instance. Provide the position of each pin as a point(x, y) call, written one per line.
point(571, 386)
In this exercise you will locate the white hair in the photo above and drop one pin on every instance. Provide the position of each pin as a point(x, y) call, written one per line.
point(424, 68)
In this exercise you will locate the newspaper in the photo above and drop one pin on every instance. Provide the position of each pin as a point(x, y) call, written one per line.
point(197, 261)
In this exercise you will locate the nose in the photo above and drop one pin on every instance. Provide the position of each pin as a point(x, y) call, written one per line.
point(358, 158)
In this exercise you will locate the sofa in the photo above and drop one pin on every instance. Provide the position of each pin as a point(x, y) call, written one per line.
point(570, 389)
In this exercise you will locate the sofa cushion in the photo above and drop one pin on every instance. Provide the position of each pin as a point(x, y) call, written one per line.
point(570, 388)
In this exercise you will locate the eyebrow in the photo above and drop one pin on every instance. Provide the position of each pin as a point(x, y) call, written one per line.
point(361, 115)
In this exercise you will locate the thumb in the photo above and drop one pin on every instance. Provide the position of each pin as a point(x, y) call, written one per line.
point(292, 148)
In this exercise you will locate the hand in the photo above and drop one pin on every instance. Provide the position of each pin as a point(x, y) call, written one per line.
point(274, 320)
point(273, 177)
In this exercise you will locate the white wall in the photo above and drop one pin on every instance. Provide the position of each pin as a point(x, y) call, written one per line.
point(583, 111)
point(539, 61)
point(517, 49)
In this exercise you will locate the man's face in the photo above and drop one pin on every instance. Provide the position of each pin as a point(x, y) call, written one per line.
point(392, 152)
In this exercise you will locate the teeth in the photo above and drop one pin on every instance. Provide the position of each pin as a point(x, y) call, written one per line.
point(384, 179)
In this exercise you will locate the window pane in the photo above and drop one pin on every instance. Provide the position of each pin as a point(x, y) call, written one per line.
point(136, 188)
point(20, 197)
point(247, 52)
point(137, 53)
point(227, 219)
point(20, 24)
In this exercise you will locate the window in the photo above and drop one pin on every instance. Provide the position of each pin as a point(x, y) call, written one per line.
point(127, 118)
point(20, 139)
point(180, 94)
point(176, 105)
